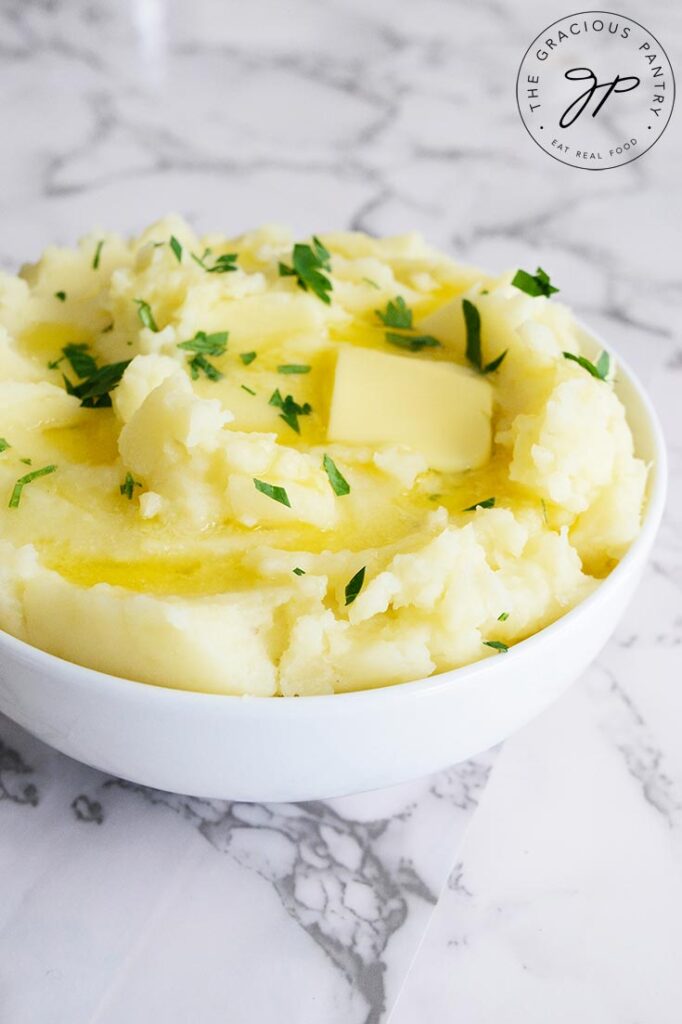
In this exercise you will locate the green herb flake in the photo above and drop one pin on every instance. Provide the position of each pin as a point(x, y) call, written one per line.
point(354, 586)
point(290, 409)
point(472, 322)
point(61, 296)
point(488, 503)
point(298, 572)
point(79, 358)
point(247, 357)
point(373, 284)
point(98, 253)
point(496, 645)
point(495, 364)
point(206, 344)
point(272, 491)
point(203, 344)
point(176, 247)
point(503, 616)
point(397, 314)
point(249, 391)
point(200, 259)
point(94, 391)
point(411, 342)
point(27, 462)
point(294, 368)
point(4, 444)
point(128, 486)
point(225, 264)
point(309, 262)
point(199, 364)
point(534, 284)
point(27, 479)
point(600, 369)
point(106, 330)
point(339, 484)
point(145, 315)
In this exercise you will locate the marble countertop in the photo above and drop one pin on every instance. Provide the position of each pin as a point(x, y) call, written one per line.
point(537, 883)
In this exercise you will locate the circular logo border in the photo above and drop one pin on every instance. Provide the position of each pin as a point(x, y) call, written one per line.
point(558, 159)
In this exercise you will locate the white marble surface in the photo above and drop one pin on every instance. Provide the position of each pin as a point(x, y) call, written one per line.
point(117, 904)
point(120, 903)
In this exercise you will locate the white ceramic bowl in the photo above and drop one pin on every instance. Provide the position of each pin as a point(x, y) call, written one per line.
point(269, 749)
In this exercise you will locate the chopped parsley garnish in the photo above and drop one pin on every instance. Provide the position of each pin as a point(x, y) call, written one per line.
point(27, 479)
point(368, 280)
point(128, 486)
point(200, 364)
point(412, 342)
point(176, 247)
point(94, 390)
point(4, 444)
point(224, 264)
point(294, 368)
point(247, 357)
point(61, 296)
point(308, 263)
point(250, 391)
point(146, 317)
point(398, 315)
point(200, 259)
point(80, 360)
point(496, 645)
point(503, 616)
point(273, 491)
point(27, 462)
point(488, 503)
point(472, 322)
point(291, 409)
point(340, 485)
point(203, 344)
point(207, 344)
point(600, 369)
point(98, 253)
point(354, 586)
point(534, 284)
point(495, 363)
point(298, 572)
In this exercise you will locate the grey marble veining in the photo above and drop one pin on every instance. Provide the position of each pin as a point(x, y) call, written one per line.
point(119, 903)
point(357, 877)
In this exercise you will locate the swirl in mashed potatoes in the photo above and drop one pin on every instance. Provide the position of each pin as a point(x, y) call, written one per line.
point(249, 467)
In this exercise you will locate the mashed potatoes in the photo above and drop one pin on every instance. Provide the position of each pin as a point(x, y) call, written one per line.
point(252, 467)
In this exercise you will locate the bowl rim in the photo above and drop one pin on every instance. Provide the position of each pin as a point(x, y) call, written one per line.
point(279, 705)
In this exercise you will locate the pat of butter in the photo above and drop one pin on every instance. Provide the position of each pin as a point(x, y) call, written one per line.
point(436, 408)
